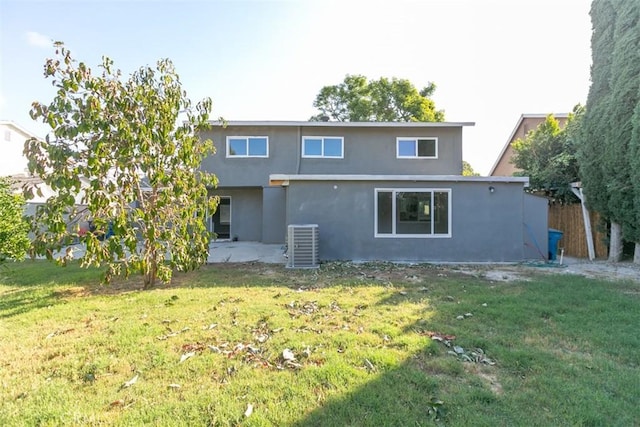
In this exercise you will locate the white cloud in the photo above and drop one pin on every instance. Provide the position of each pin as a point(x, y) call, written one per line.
point(38, 40)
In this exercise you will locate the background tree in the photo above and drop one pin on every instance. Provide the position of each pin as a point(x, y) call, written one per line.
point(547, 155)
point(122, 138)
point(357, 99)
point(467, 170)
point(14, 241)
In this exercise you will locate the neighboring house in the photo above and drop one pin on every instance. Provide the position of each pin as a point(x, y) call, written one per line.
point(14, 164)
point(526, 123)
point(377, 191)
point(13, 137)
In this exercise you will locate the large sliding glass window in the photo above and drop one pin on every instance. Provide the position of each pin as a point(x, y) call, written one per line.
point(413, 212)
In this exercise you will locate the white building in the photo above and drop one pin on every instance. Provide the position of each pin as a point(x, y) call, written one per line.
point(12, 138)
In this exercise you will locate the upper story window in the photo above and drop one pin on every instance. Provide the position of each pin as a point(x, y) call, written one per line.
point(323, 146)
point(247, 146)
point(417, 148)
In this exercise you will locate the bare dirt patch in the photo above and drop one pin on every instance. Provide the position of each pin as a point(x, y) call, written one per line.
point(384, 273)
point(602, 270)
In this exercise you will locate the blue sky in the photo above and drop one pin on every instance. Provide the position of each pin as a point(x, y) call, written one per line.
point(491, 60)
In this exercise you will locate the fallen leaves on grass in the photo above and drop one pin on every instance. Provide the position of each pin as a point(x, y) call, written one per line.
point(131, 382)
point(186, 356)
point(60, 332)
point(288, 355)
point(172, 333)
point(475, 356)
point(249, 410)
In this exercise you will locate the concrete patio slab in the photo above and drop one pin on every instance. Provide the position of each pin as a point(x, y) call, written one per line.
point(229, 251)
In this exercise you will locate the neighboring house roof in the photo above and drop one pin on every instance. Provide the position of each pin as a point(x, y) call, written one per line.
point(21, 181)
point(342, 124)
point(18, 128)
point(525, 124)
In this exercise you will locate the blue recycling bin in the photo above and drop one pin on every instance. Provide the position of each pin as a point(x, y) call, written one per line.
point(554, 238)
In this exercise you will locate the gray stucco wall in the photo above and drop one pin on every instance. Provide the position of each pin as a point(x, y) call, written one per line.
point(536, 228)
point(486, 226)
point(274, 227)
point(366, 151)
point(246, 212)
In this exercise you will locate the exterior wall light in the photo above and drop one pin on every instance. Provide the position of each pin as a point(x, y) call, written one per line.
point(492, 189)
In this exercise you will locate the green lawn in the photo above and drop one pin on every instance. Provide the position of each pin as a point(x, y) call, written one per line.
point(346, 345)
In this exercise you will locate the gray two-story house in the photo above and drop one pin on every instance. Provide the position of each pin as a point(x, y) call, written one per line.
point(377, 191)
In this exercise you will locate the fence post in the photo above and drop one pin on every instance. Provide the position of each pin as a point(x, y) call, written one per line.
point(577, 190)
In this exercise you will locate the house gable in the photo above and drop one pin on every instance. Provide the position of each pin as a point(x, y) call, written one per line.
point(526, 123)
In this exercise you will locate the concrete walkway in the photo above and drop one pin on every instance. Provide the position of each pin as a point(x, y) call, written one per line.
point(228, 251)
point(225, 251)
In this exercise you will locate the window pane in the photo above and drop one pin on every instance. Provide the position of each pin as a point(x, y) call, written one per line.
point(237, 147)
point(257, 146)
point(441, 213)
point(407, 148)
point(312, 147)
point(225, 214)
point(333, 147)
point(426, 148)
point(385, 219)
point(413, 213)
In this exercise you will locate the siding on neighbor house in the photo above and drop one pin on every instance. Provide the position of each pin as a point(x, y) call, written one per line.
point(527, 123)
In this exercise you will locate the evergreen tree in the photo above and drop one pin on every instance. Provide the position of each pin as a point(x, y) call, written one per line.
point(625, 83)
point(595, 130)
point(634, 155)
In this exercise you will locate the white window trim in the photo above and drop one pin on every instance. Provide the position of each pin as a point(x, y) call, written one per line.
point(322, 138)
point(415, 138)
point(393, 234)
point(233, 156)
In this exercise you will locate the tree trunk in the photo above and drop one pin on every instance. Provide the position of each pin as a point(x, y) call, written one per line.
point(615, 243)
point(151, 275)
point(636, 254)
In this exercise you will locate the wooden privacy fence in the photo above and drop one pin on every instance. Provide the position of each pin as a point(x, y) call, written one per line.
point(568, 219)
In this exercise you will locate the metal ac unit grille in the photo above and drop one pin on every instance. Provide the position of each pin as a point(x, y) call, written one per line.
point(302, 243)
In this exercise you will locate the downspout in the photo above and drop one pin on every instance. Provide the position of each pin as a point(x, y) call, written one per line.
point(299, 150)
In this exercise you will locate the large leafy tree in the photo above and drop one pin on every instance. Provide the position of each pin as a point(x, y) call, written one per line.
point(14, 241)
point(547, 155)
point(116, 148)
point(357, 99)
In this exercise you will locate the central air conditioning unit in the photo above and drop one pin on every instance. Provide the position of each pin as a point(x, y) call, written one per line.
point(302, 246)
